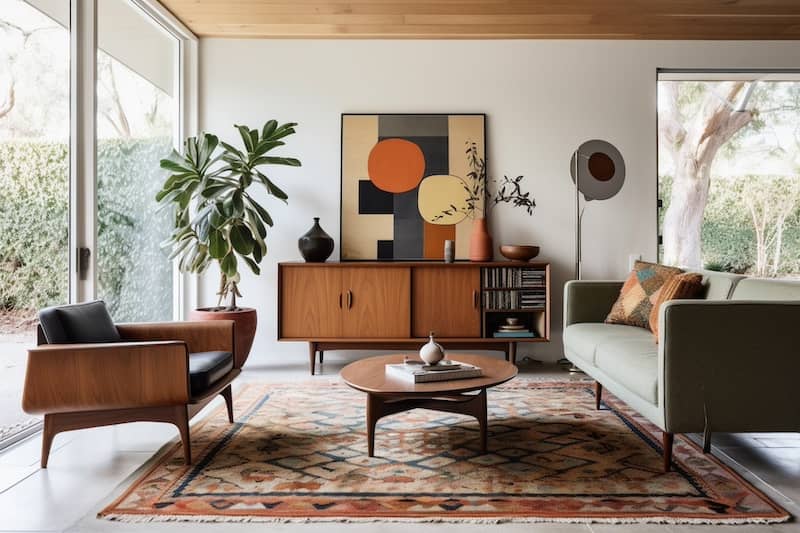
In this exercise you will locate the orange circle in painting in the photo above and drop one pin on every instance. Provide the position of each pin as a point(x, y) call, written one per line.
point(396, 165)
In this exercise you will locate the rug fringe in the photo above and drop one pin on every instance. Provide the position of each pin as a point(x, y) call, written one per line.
point(141, 519)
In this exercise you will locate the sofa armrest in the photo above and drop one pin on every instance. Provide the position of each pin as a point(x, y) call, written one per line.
point(589, 301)
point(732, 363)
point(199, 336)
point(88, 377)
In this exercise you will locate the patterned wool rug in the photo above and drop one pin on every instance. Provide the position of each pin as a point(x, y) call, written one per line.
point(298, 453)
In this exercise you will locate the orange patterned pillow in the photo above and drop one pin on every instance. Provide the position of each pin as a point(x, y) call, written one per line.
point(639, 293)
point(681, 286)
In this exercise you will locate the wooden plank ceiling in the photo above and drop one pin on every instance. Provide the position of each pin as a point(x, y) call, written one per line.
point(492, 19)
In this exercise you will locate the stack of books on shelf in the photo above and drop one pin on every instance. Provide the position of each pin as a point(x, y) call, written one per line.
point(418, 372)
point(516, 331)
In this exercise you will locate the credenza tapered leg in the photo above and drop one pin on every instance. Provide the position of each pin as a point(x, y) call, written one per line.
point(312, 356)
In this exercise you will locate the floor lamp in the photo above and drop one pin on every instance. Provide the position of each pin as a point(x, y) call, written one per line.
point(598, 172)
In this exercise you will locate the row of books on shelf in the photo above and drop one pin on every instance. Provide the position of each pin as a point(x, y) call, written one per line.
point(514, 299)
point(510, 277)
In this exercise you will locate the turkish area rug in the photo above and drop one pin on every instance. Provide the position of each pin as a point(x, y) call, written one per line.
point(298, 452)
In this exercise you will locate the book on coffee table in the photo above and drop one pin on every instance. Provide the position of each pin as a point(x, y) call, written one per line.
point(418, 373)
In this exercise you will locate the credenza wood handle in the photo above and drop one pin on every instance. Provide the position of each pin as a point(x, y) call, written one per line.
point(340, 300)
point(475, 299)
point(349, 299)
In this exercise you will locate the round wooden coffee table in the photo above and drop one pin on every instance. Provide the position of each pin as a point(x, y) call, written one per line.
point(387, 395)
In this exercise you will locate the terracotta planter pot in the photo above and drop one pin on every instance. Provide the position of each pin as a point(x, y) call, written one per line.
point(480, 242)
point(244, 330)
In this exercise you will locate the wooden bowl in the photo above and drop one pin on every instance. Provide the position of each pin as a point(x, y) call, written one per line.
point(519, 252)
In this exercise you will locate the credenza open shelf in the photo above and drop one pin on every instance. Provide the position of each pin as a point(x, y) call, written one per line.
point(394, 305)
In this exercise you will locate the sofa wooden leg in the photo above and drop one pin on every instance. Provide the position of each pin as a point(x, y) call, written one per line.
point(182, 422)
point(48, 434)
point(667, 441)
point(706, 440)
point(598, 394)
point(227, 394)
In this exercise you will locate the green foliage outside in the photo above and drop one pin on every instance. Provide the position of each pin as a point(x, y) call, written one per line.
point(730, 242)
point(34, 193)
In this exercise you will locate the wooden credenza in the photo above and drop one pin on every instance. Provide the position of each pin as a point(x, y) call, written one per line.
point(394, 305)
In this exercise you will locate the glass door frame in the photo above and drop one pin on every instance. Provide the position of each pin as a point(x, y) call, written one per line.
point(83, 140)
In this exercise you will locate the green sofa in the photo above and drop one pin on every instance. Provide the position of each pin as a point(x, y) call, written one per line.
point(729, 362)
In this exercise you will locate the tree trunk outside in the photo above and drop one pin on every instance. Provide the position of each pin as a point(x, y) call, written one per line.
point(694, 147)
point(683, 222)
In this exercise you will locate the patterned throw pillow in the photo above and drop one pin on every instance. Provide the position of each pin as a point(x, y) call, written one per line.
point(679, 287)
point(638, 294)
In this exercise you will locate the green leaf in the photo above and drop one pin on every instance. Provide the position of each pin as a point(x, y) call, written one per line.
point(169, 164)
point(253, 265)
point(262, 213)
point(244, 132)
point(238, 203)
point(273, 189)
point(271, 160)
point(217, 217)
point(242, 240)
point(232, 150)
point(228, 265)
point(217, 245)
point(214, 191)
point(256, 225)
point(269, 128)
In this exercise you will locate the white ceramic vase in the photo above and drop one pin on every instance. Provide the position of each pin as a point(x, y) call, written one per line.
point(432, 352)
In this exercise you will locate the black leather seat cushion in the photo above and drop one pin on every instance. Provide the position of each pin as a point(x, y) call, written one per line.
point(207, 368)
point(78, 323)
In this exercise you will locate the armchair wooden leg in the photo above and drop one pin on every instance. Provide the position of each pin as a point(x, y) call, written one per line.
point(227, 394)
point(182, 422)
point(598, 394)
point(48, 434)
point(667, 441)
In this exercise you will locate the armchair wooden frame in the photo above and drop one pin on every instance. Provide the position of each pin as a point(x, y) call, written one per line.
point(144, 378)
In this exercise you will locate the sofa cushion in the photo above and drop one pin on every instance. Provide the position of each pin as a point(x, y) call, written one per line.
point(766, 289)
point(78, 323)
point(688, 285)
point(719, 285)
point(584, 339)
point(632, 363)
point(638, 294)
point(206, 369)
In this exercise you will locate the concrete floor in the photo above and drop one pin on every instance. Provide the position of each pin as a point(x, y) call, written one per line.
point(87, 468)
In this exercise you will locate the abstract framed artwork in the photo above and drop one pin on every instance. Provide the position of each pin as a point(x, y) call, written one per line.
point(405, 184)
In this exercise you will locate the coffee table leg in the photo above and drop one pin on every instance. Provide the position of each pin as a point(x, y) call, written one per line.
point(480, 412)
point(373, 413)
point(379, 406)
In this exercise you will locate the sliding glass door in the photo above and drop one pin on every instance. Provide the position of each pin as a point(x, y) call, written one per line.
point(34, 188)
point(137, 126)
point(93, 93)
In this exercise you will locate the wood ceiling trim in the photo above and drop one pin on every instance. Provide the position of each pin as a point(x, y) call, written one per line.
point(492, 19)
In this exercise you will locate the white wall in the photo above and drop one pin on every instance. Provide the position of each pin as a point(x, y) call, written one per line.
point(542, 99)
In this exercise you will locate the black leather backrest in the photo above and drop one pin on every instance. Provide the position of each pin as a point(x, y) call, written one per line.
point(78, 323)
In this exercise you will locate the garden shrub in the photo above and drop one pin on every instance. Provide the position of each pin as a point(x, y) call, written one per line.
point(34, 193)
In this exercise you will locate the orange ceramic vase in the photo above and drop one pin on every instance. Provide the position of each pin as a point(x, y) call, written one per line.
point(480, 242)
point(245, 320)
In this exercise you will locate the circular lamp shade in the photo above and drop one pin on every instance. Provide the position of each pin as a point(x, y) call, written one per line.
point(601, 169)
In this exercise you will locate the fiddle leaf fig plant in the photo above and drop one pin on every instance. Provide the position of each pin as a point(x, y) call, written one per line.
point(216, 216)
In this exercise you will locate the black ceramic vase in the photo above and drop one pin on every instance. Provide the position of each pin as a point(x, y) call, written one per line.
point(316, 245)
